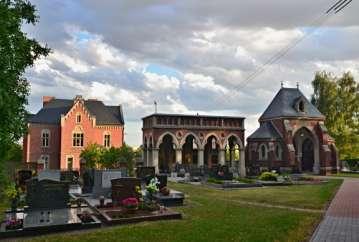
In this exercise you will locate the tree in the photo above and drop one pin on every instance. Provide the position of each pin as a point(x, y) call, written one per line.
point(17, 52)
point(92, 154)
point(338, 99)
point(110, 157)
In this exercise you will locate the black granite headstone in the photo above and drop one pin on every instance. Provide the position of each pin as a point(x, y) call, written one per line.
point(143, 172)
point(123, 188)
point(69, 176)
point(162, 178)
point(47, 194)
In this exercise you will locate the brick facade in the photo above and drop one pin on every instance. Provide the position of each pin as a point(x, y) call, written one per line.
point(60, 146)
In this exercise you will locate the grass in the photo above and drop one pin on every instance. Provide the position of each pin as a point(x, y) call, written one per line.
point(211, 215)
point(346, 174)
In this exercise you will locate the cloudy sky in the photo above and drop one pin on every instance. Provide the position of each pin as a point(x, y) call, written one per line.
point(190, 56)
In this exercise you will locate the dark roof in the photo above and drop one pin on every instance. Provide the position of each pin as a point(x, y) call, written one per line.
point(283, 105)
point(52, 111)
point(265, 131)
point(191, 116)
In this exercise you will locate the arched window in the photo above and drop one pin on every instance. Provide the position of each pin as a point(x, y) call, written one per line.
point(45, 138)
point(107, 139)
point(263, 154)
point(278, 152)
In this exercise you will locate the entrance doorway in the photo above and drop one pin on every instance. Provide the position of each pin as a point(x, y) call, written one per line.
point(307, 155)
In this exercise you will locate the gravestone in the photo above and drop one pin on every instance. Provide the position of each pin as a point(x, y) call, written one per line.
point(53, 175)
point(69, 176)
point(143, 172)
point(88, 181)
point(23, 176)
point(123, 188)
point(162, 178)
point(102, 181)
point(47, 194)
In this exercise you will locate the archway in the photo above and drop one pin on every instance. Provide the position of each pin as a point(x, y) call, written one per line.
point(306, 150)
point(211, 151)
point(232, 150)
point(166, 156)
point(190, 151)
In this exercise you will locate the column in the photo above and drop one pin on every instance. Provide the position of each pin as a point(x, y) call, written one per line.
point(155, 159)
point(179, 156)
point(242, 163)
point(200, 157)
point(222, 158)
point(148, 157)
point(144, 156)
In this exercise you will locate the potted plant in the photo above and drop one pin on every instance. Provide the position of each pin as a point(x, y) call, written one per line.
point(130, 204)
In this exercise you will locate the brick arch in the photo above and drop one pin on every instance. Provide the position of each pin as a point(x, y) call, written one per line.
point(239, 141)
point(316, 144)
point(183, 140)
point(209, 135)
point(160, 139)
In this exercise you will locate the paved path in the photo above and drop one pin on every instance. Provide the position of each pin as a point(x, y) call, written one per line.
point(341, 221)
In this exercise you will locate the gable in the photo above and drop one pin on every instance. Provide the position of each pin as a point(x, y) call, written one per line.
point(287, 104)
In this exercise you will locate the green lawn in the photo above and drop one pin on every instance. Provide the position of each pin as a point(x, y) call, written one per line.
point(346, 174)
point(212, 215)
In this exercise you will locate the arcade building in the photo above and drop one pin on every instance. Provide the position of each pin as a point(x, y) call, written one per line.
point(193, 140)
point(291, 137)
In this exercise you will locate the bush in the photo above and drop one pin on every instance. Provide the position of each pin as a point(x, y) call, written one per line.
point(214, 180)
point(268, 176)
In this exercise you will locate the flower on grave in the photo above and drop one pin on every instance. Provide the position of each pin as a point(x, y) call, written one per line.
point(130, 203)
point(138, 191)
point(13, 223)
point(152, 187)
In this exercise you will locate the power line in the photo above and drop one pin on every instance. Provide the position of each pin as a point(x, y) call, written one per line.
point(318, 22)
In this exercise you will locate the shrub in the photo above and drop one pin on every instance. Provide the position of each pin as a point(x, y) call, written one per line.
point(268, 176)
point(214, 180)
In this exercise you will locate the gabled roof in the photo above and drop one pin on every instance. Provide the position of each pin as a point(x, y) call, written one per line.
point(283, 105)
point(52, 111)
point(265, 131)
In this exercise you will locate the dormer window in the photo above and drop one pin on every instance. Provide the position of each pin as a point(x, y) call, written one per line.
point(301, 106)
point(78, 118)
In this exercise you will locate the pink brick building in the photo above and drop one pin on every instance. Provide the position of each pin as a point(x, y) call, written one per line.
point(63, 128)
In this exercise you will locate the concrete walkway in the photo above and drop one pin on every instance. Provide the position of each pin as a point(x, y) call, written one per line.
point(341, 221)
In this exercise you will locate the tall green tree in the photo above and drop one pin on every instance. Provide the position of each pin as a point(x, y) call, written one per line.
point(17, 52)
point(338, 99)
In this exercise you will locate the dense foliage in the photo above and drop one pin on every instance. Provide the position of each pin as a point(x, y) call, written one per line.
point(338, 99)
point(97, 156)
point(268, 176)
point(17, 52)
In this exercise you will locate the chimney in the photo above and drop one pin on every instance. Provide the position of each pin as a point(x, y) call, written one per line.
point(46, 99)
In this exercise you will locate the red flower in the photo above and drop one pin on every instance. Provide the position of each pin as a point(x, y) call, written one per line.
point(130, 202)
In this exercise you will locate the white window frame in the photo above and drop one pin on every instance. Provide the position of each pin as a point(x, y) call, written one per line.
point(74, 143)
point(109, 139)
point(78, 115)
point(67, 161)
point(45, 140)
point(45, 160)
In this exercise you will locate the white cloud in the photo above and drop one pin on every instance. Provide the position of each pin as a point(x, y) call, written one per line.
point(161, 82)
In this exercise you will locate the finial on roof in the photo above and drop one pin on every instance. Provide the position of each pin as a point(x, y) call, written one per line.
point(281, 84)
point(155, 103)
point(297, 85)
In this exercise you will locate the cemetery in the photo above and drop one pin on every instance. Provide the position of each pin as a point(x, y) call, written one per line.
point(54, 200)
